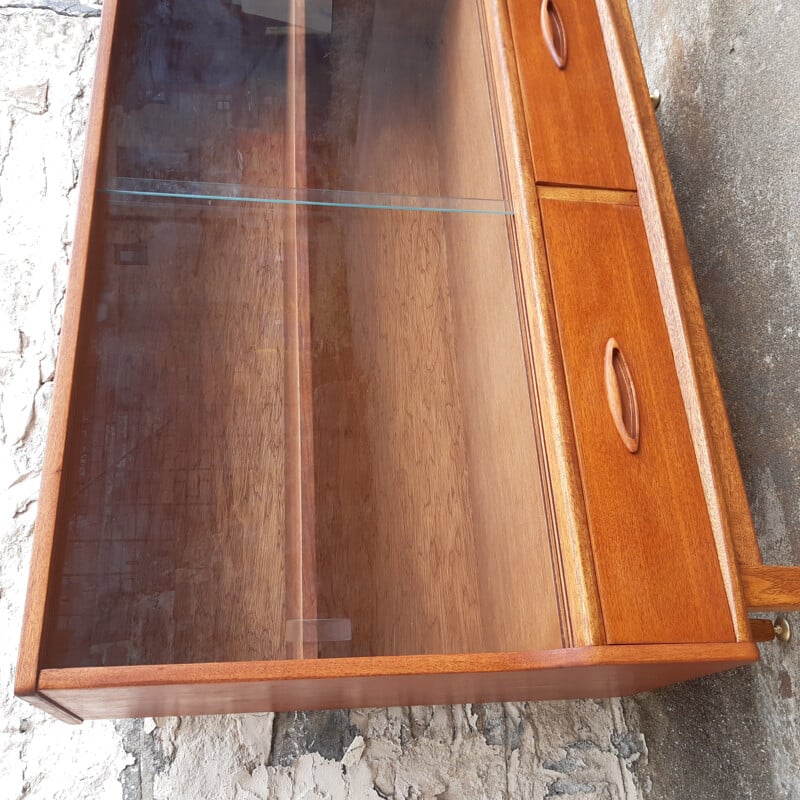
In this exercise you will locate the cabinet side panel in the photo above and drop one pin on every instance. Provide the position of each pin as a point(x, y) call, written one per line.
point(44, 532)
point(570, 542)
point(519, 606)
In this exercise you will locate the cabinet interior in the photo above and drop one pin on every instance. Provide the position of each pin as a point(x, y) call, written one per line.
point(302, 424)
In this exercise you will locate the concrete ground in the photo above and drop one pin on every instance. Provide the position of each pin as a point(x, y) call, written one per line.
point(730, 75)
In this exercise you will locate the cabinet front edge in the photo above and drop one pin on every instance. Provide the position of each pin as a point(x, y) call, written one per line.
point(605, 671)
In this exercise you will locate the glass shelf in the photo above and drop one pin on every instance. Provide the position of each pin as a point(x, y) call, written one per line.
point(132, 188)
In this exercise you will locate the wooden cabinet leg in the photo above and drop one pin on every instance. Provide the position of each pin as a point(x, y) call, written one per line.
point(762, 630)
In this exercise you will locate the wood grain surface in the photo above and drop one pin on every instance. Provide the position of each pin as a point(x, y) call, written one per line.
point(762, 630)
point(708, 418)
point(299, 497)
point(657, 565)
point(173, 503)
point(572, 118)
point(582, 194)
point(573, 558)
point(431, 535)
point(365, 682)
point(174, 484)
point(768, 588)
point(350, 413)
point(507, 485)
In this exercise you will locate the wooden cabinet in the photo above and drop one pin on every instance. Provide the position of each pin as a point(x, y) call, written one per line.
point(383, 378)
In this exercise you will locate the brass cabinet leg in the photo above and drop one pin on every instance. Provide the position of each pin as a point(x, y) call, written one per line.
point(655, 99)
point(783, 631)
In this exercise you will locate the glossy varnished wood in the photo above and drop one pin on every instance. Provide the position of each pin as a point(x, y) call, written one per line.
point(708, 418)
point(173, 487)
point(656, 560)
point(762, 630)
point(431, 531)
point(582, 194)
point(300, 500)
point(572, 118)
point(510, 520)
point(173, 502)
point(420, 476)
point(414, 680)
point(573, 559)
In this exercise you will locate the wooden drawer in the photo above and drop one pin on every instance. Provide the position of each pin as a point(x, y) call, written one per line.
point(571, 111)
point(655, 556)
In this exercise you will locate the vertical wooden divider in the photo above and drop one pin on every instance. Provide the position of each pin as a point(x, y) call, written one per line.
point(300, 548)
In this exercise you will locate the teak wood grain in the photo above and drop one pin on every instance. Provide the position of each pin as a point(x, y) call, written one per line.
point(572, 118)
point(174, 489)
point(708, 416)
point(364, 682)
point(174, 494)
point(432, 535)
point(394, 435)
point(300, 500)
point(655, 555)
point(581, 194)
point(762, 630)
point(768, 588)
point(510, 516)
point(572, 549)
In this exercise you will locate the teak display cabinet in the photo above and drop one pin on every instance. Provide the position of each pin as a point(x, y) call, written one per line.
point(383, 377)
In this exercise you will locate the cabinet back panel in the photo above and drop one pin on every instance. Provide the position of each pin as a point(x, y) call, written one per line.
point(172, 512)
point(431, 531)
point(277, 201)
point(171, 521)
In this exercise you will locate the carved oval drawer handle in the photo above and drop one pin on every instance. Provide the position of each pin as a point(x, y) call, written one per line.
point(621, 396)
point(555, 36)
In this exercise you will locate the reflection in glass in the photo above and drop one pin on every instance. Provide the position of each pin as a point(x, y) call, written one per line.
point(302, 426)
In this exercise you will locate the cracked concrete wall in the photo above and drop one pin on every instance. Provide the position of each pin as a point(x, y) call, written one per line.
point(727, 736)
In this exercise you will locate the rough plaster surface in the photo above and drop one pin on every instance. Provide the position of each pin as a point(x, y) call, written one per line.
point(732, 143)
